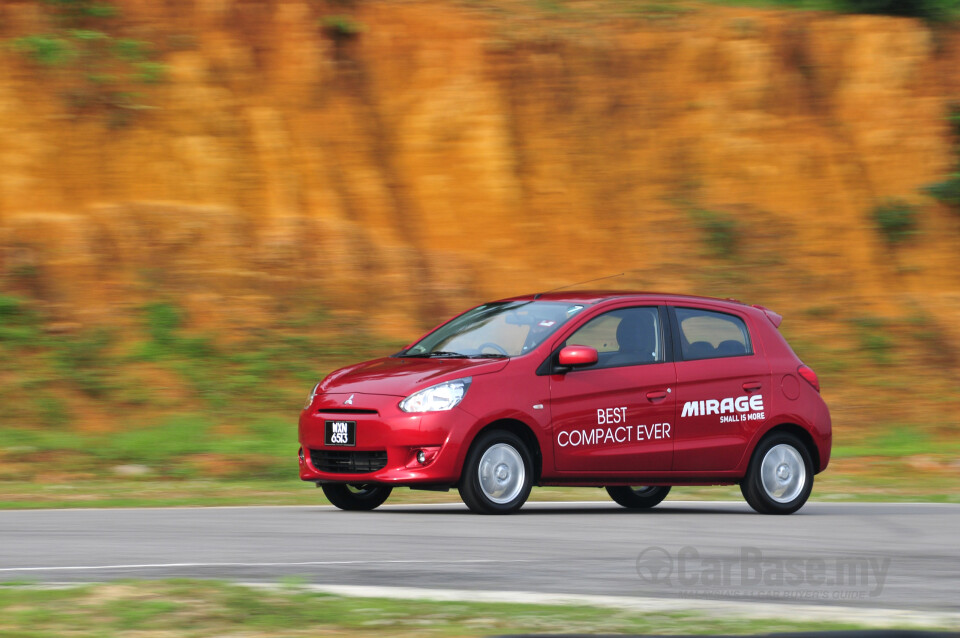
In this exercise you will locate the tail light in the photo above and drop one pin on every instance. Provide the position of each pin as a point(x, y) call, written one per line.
point(809, 376)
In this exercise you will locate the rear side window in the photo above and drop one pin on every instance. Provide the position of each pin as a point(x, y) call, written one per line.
point(709, 335)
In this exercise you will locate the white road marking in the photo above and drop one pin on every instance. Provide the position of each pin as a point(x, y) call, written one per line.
point(321, 563)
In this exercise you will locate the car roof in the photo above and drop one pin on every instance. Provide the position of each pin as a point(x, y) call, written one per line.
point(596, 296)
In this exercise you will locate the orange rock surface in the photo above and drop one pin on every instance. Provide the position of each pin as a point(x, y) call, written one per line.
point(446, 155)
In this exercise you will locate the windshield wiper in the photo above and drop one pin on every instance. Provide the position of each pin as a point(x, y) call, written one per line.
point(489, 355)
point(436, 353)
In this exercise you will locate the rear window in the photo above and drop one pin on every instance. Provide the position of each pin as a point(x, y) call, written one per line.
point(705, 334)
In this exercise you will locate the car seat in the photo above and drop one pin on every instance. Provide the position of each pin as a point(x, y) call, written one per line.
point(730, 348)
point(700, 350)
point(637, 340)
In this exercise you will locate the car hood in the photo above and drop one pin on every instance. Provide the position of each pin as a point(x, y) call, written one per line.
point(398, 376)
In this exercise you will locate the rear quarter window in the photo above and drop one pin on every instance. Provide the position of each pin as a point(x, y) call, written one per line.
point(705, 334)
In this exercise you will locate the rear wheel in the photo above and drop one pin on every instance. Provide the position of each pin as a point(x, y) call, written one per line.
point(497, 475)
point(780, 476)
point(638, 496)
point(355, 496)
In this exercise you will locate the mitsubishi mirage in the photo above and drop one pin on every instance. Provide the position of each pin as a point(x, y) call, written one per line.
point(632, 392)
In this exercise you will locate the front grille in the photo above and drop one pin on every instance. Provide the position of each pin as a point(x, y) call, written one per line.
point(345, 411)
point(340, 462)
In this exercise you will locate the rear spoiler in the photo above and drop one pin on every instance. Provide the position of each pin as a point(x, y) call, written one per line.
point(774, 318)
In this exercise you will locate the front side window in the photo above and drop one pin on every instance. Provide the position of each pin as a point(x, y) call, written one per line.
point(710, 335)
point(503, 329)
point(624, 337)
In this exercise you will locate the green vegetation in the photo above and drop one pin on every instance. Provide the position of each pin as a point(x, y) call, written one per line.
point(874, 338)
point(930, 10)
point(48, 50)
point(342, 26)
point(948, 191)
point(721, 230)
point(208, 608)
point(188, 405)
point(153, 411)
point(84, 50)
point(933, 10)
point(896, 220)
point(899, 441)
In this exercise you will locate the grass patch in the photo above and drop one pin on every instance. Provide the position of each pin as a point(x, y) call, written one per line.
point(209, 608)
point(177, 401)
point(899, 442)
point(180, 445)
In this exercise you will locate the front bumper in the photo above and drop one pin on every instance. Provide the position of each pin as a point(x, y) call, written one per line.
point(387, 442)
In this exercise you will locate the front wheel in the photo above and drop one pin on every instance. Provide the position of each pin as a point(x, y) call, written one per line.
point(497, 475)
point(356, 497)
point(639, 496)
point(780, 475)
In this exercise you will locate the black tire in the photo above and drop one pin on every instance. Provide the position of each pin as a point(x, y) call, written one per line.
point(638, 497)
point(788, 487)
point(356, 497)
point(487, 493)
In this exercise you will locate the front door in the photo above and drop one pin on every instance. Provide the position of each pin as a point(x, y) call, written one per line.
point(618, 414)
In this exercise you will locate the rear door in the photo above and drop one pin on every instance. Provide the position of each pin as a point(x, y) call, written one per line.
point(723, 385)
point(617, 415)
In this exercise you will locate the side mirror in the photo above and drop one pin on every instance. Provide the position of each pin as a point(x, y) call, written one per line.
point(577, 356)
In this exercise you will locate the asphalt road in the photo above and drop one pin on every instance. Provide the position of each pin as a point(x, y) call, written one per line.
point(891, 556)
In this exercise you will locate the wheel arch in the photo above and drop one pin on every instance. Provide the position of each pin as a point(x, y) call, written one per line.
point(798, 431)
point(526, 435)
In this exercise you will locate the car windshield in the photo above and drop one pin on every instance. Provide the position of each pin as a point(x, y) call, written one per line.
point(503, 329)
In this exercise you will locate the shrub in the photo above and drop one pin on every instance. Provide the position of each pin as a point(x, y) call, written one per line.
point(18, 323)
point(896, 220)
point(84, 360)
point(342, 26)
point(874, 338)
point(947, 192)
point(97, 69)
point(163, 320)
point(933, 10)
point(47, 50)
point(721, 230)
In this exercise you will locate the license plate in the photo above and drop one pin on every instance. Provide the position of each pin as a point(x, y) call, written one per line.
point(340, 433)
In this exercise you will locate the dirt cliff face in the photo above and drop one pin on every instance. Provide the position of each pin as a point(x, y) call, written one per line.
point(441, 156)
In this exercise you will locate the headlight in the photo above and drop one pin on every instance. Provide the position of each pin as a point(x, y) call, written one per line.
point(443, 396)
point(313, 395)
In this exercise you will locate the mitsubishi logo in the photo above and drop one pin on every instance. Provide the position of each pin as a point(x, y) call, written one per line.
point(349, 401)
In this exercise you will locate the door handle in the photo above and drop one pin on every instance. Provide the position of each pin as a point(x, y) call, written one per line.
point(657, 396)
point(752, 386)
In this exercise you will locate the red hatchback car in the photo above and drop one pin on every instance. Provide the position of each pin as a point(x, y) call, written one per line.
point(634, 392)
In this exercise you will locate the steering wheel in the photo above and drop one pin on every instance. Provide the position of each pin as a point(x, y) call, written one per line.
point(493, 346)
